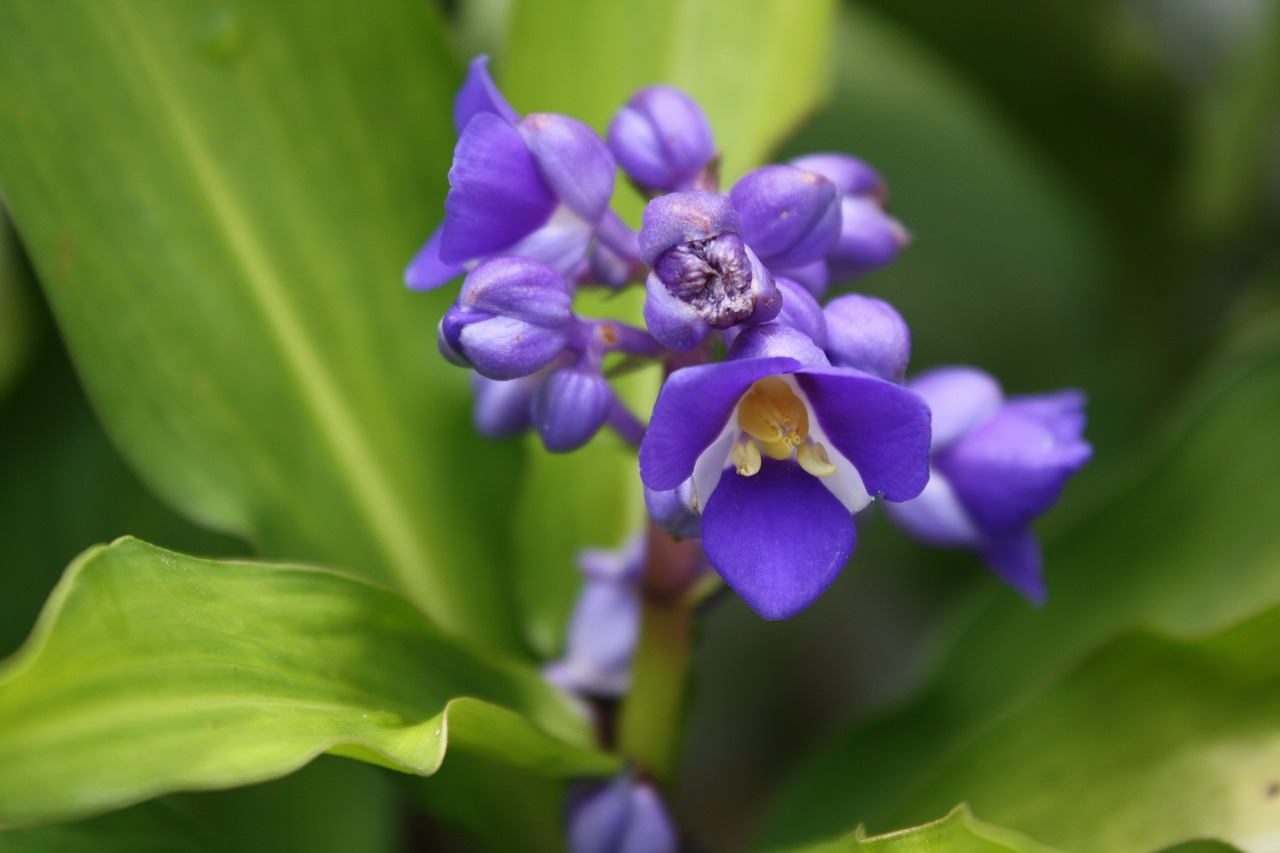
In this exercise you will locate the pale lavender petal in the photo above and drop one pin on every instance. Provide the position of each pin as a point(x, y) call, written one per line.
point(600, 642)
point(683, 217)
point(881, 427)
point(520, 288)
point(623, 816)
point(479, 94)
point(672, 510)
point(496, 194)
point(960, 399)
point(561, 244)
point(789, 217)
point(850, 175)
point(570, 407)
point(692, 409)
point(802, 312)
point(426, 271)
point(867, 334)
point(936, 516)
point(661, 138)
point(573, 160)
point(778, 538)
point(1016, 559)
point(1060, 412)
point(503, 407)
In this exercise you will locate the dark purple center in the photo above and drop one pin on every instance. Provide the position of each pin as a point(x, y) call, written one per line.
point(712, 275)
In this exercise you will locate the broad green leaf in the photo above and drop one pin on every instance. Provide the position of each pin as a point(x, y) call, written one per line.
point(958, 832)
point(756, 75)
point(219, 199)
point(330, 805)
point(151, 672)
point(1186, 544)
point(15, 313)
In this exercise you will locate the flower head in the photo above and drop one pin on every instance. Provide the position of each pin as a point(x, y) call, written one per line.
point(998, 464)
point(779, 450)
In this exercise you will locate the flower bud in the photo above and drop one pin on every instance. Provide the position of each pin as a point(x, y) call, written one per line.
point(790, 217)
point(661, 139)
point(802, 312)
point(570, 407)
point(510, 319)
point(850, 175)
point(867, 334)
point(502, 406)
point(869, 239)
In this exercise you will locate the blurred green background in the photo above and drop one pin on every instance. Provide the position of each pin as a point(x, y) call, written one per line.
point(1093, 190)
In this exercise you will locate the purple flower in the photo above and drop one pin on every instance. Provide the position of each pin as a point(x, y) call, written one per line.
point(535, 187)
point(790, 217)
point(662, 139)
point(605, 624)
point(622, 815)
point(779, 449)
point(868, 237)
point(997, 465)
point(704, 277)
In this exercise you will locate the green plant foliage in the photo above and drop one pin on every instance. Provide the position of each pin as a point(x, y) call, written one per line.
point(151, 672)
point(219, 199)
point(1148, 738)
point(958, 832)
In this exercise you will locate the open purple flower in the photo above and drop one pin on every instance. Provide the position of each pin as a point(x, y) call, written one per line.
point(536, 187)
point(779, 449)
point(997, 465)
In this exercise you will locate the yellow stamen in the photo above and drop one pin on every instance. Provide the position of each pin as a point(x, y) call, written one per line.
point(813, 458)
point(746, 457)
point(772, 413)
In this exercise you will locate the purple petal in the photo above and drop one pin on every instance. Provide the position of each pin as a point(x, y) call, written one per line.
point(867, 334)
point(426, 271)
point(692, 409)
point(600, 642)
point(776, 340)
point(508, 348)
point(1061, 412)
point(671, 321)
point(479, 95)
point(661, 138)
point(672, 510)
point(570, 407)
point(778, 538)
point(802, 312)
point(1016, 560)
point(623, 816)
point(520, 288)
point(503, 407)
point(1010, 470)
point(814, 277)
point(496, 194)
point(869, 239)
point(960, 398)
point(850, 175)
point(882, 428)
point(573, 160)
point(560, 244)
point(683, 217)
point(936, 516)
point(790, 217)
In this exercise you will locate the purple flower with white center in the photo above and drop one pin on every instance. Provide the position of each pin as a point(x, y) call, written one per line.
point(779, 449)
point(662, 140)
point(997, 465)
point(623, 815)
point(537, 187)
point(869, 334)
point(869, 238)
point(704, 277)
point(605, 624)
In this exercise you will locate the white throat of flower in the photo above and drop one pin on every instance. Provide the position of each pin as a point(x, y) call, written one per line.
point(774, 419)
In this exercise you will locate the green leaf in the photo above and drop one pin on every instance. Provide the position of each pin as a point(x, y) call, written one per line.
point(958, 832)
point(219, 199)
point(1186, 544)
point(151, 672)
point(756, 75)
point(15, 313)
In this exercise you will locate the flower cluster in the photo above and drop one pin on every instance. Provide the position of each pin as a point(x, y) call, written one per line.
point(780, 417)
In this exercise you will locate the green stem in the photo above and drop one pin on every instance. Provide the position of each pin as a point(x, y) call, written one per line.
point(652, 716)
